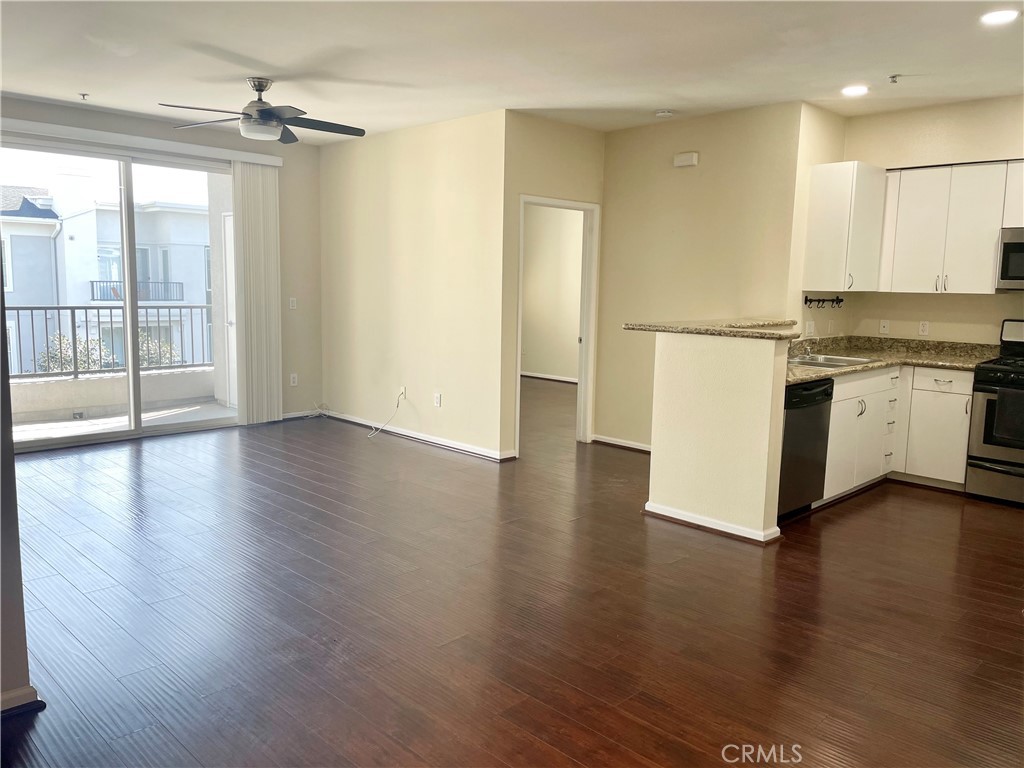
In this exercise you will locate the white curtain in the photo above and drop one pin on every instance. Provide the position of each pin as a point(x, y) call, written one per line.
point(258, 267)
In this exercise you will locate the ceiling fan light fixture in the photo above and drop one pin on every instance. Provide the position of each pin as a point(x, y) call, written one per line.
point(261, 130)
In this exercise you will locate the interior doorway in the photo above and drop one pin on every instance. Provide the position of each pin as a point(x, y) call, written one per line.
point(558, 248)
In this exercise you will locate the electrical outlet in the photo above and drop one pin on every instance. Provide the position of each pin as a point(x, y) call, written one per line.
point(437, 399)
point(922, 328)
point(293, 380)
point(883, 327)
point(293, 303)
point(809, 328)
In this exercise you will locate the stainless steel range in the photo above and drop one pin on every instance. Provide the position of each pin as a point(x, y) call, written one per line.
point(995, 451)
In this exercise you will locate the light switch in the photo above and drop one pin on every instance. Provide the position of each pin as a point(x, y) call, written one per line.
point(293, 303)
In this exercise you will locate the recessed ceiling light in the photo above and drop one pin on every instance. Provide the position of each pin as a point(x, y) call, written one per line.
point(995, 18)
point(855, 90)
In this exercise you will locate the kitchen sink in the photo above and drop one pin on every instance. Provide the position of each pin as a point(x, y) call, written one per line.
point(829, 361)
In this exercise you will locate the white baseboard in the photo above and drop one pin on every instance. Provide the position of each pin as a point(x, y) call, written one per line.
point(548, 376)
point(440, 442)
point(621, 443)
point(717, 525)
point(945, 485)
point(299, 414)
point(18, 697)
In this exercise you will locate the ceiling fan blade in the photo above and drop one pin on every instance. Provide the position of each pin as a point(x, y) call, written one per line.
point(320, 125)
point(206, 109)
point(281, 112)
point(287, 136)
point(208, 122)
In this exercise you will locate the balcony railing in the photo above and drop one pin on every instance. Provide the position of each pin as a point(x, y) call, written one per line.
point(62, 341)
point(113, 290)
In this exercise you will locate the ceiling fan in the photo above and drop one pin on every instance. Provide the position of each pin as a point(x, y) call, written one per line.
point(262, 121)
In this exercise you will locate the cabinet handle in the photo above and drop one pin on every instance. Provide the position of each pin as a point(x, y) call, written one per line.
point(890, 423)
point(967, 405)
point(863, 408)
point(888, 455)
point(943, 381)
point(945, 283)
point(851, 281)
point(936, 283)
point(893, 400)
point(894, 378)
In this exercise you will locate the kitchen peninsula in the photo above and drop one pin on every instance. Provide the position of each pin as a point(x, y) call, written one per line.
point(716, 435)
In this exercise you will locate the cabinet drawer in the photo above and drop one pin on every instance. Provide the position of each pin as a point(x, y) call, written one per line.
point(869, 382)
point(940, 380)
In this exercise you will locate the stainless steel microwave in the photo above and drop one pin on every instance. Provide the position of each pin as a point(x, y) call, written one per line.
point(1011, 259)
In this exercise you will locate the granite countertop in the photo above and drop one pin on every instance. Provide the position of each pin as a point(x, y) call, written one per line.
point(740, 328)
point(888, 352)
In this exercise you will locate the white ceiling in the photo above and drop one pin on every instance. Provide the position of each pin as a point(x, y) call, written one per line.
point(385, 65)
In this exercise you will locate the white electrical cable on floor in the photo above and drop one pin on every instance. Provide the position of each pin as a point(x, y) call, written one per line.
point(398, 402)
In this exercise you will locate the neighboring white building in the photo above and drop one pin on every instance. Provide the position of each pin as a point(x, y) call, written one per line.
point(55, 257)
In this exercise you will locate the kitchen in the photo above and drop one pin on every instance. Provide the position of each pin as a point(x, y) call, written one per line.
point(826, 417)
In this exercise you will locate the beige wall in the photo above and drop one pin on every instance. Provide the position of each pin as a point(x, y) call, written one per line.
point(678, 243)
point(552, 260)
point(299, 217)
point(547, 159)
point(822, 136)
point(991, 129)
point(412, 277)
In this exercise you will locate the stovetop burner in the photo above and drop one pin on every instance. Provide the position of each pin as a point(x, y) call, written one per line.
point(1006, 362)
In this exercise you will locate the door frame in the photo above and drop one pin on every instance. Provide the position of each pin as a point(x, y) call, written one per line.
point(586, 365)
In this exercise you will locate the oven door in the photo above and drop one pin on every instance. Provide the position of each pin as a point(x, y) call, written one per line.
point(983, 444)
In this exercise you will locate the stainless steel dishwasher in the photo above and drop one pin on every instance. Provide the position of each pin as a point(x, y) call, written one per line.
point(804, 445)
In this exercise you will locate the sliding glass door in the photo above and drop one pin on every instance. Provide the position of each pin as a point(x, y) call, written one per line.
point(63, 260)
point(181, 259)
point(115, 324)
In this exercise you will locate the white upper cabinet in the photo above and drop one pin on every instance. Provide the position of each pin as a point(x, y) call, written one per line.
point(1013, 206)
point(920, 243)
point(976, 197)
point(844, 227)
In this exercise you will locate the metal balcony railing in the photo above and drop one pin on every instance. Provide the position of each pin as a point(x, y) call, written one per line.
point(69, 341)
point(113, 290)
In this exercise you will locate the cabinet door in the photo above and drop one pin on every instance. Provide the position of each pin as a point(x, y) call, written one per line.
point(921, 215)
point(937, 445)
point(864, 250)
point(1013, 205)
point(828, 227)
point(870, 437)
point(976, 197)
point(892, 199)
point(841, 463)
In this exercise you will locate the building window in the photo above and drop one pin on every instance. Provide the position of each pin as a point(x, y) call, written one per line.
point(142, 265)
point(7, 267)
point(165, 264)
point(109, 263)
point(209, 276)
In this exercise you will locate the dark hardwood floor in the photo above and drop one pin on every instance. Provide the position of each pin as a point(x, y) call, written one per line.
point(298, 595)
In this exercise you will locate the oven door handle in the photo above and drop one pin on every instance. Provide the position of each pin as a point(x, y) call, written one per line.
point(1002, 469)
point(987, 389)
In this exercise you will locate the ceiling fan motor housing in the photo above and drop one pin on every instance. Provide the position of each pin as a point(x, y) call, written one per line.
point(259, 84)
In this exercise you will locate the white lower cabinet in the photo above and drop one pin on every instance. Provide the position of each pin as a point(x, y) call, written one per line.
point(939, 426)
point(858, 428)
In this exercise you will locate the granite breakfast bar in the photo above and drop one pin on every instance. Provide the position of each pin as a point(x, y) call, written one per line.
point(716, 433)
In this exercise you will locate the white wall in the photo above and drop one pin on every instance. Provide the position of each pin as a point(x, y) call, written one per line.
point(412, 277)
point(681, 243)
point(299, 219)
point(552, 263)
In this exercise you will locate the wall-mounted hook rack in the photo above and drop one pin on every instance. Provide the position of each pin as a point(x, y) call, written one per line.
point(822, 303)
